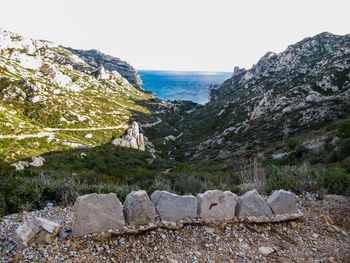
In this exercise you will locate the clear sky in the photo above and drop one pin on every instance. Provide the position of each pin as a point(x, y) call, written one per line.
point(212, 35)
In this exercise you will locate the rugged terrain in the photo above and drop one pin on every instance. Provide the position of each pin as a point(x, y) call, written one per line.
point(303, 88)
point(320, 236)
point(51, 99)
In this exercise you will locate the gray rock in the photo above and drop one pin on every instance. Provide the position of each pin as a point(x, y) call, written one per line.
point(139, 209)
point(282, 202)
point(216, 205)
point(172, 207)
point(251, 204)
point(96, 213)
point(36, 230)
point(131, 138)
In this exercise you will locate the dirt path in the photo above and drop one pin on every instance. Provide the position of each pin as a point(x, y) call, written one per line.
point(51, 132)
point(148, 125)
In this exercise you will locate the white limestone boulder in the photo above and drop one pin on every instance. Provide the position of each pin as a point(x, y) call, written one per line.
point(37, 230)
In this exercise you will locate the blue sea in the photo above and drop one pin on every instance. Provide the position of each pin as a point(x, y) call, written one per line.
point(184, 85)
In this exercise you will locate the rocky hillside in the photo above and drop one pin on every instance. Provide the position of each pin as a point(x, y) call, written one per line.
point(97, 59)
point(51, 99)
point(302, 88)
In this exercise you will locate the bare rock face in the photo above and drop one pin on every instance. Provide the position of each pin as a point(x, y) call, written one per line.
point(282, 202)
point(172, 207)
point(251, 204)
point(139, 209)
point(97, 59)
point(131, 138)
point(215, 205)
point(97, 213)
point(20, 165)
point(36, 230)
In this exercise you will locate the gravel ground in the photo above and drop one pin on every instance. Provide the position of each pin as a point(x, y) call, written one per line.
point(314, 238)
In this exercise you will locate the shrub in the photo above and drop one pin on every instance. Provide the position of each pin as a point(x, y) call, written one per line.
point(292, 144)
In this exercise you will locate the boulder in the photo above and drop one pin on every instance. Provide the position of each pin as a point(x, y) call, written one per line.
point(282, 202)
point(35, 230)
point(215, 205)
point(251, 204)
point(139, 209)
point(97, 213)
point(131, 138)
point(172, 207)
point(37, 161)
point(20, 165)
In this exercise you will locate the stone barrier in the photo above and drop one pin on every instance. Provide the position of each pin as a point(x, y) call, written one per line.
point(95, 213)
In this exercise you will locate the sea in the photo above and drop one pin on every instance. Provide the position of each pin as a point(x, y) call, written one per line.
point(183, 85)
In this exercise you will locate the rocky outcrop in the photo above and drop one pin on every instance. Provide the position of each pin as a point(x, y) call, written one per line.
point(215, 205)
point(97, 59)
point(282, 202)
point(139, 209)
point(252, 204)
point(97, 213)
point(172, 207)
point(131, 138)
point(37, 230)
point(36, 162)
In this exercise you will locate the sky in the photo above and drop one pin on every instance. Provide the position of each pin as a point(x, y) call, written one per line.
point(197, 35)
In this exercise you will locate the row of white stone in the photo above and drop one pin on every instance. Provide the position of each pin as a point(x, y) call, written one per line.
point(102, 212)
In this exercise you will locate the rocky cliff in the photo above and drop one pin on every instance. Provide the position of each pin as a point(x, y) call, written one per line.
point(97, 59)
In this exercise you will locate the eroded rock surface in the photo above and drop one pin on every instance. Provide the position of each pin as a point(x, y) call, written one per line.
point(139, 209)
point(282, 202)
point(131, 138)
point(97, 213)
point(215, 205)
point(252, 204)
point(172, 207)
point(37, 230)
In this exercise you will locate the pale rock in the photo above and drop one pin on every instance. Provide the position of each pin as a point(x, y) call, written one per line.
point(172, 207)
point(215, 205)
point(89, 136)
point(36, 230)
point(139, 209)
point(20, 165)
point(131, 138)
point(97, 213)
point(37, 161)
point(282, 202)
point(251, 204)
point(266, 250)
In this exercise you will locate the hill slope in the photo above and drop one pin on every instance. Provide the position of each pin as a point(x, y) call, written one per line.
point(51, 99)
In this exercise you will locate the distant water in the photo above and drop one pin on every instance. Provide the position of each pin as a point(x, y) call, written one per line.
point(184, 85)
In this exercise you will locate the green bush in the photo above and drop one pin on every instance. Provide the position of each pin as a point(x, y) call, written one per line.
point(292, 144)
point(337, 181)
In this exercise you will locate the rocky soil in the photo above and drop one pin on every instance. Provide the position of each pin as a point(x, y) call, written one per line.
point(320, 236)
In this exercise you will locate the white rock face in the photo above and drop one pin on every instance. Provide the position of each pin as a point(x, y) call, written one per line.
point(97, 213)
point(215, 205)
point(36, 230)
point(251, 204)
point(131, 138)
point(282, 202)
point(172, 207)
point(139, 209)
